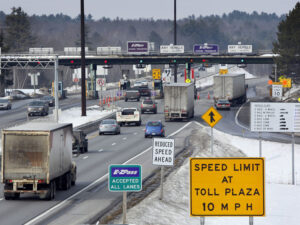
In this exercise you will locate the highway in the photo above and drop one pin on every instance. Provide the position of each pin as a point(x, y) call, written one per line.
point(90, 197)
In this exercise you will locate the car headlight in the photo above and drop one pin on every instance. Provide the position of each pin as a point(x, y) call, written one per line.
point(41, 108)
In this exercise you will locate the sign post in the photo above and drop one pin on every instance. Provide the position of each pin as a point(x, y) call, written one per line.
point(163, 155)
point(227, 187)
point(211, 117)
point(124, 178)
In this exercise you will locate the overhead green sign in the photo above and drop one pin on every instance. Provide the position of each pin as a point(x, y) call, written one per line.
point(125, 178)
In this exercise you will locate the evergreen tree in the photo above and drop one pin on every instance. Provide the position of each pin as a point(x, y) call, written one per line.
point(288, 44)
point(19, 37)
point(154, 37)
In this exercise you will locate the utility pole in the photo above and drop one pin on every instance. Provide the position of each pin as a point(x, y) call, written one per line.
point(83, 94)
point(175, 41)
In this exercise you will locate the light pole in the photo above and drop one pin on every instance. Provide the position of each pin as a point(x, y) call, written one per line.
point(175, 41)
point(83, 95)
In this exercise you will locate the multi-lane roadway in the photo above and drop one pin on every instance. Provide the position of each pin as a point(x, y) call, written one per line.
point(90, 198)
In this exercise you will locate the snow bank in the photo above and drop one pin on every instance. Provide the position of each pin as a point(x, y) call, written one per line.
point(282, 201)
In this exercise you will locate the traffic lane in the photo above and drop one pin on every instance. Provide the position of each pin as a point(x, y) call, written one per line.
point(90, 167)
point(98, 197)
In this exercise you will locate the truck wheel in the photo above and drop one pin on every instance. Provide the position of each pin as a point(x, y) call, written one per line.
point(86, 148)
point(125, 99)
point(53, 189)
point(11, 195)
point(66, 181)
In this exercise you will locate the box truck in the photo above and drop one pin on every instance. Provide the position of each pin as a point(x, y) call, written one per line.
point(37, 159)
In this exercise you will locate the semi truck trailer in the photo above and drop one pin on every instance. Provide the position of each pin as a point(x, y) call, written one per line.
point(179, 101)
point(37, 159)
point(230, 87)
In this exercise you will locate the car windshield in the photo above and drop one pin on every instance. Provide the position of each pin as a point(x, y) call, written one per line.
point(36, 104)
point(3, 100)
point(154, 124)
point(148, 102)
point(108, 122)
point(223, 101)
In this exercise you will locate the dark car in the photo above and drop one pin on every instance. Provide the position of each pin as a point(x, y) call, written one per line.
point(5, 103)
point(38, 108)
point(80, 142)
point(48, 98)
point(154, 128)
point(144, 91)
point(148, 105)
point(222, 104)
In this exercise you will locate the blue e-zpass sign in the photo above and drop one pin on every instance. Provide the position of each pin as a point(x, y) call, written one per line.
point(206, 49)
point(125, 178)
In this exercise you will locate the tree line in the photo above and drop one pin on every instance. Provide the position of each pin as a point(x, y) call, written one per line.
point(19, 31)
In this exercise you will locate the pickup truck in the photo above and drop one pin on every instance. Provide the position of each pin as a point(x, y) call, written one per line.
point(129, 115)
point(132, 94)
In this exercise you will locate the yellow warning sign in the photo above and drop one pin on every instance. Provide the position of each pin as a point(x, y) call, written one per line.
point(187, 80)
point(156, 75)
point(227, 187)
point(212, 116)
point(223, 71)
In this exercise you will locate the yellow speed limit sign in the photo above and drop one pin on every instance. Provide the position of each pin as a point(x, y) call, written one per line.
point(227, 187)
point(156, 75)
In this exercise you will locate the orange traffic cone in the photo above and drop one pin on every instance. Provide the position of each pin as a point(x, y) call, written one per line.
point(198, 96)
point(208, 96)
point(115, 99)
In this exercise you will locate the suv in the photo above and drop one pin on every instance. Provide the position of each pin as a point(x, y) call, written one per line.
point(144, 91)
point(38, 108)
point(148, 105)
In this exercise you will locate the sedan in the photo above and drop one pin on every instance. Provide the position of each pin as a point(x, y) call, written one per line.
point(5, 104)
point(222, 104)
point(38, 108)
point(154, 128)
point(109, 126)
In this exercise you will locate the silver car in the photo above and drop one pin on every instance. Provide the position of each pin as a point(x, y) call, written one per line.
point(5, 104)
point(109, 126)
point(38, 108)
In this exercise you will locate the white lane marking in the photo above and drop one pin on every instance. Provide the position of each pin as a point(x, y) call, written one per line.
point(104, 177)
point(113, 143)
point(85, 157)
point(100, 150)
point(135, 133)
point(1, 199)
point(124, 138)
point(236, 115)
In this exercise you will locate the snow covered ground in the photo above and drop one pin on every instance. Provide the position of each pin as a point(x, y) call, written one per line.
point(282, 200)
point(73, 116)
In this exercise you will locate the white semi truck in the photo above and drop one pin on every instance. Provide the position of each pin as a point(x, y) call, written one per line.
point(179, 101)
point(37, 159)
point(230, 87)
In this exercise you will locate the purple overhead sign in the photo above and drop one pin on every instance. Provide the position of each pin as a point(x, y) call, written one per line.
point(138, 47)
point(206, 49)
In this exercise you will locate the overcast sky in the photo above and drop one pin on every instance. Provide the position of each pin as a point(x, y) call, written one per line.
point(157, 9)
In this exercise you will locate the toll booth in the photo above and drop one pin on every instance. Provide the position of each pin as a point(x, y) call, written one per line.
point(158, 90)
